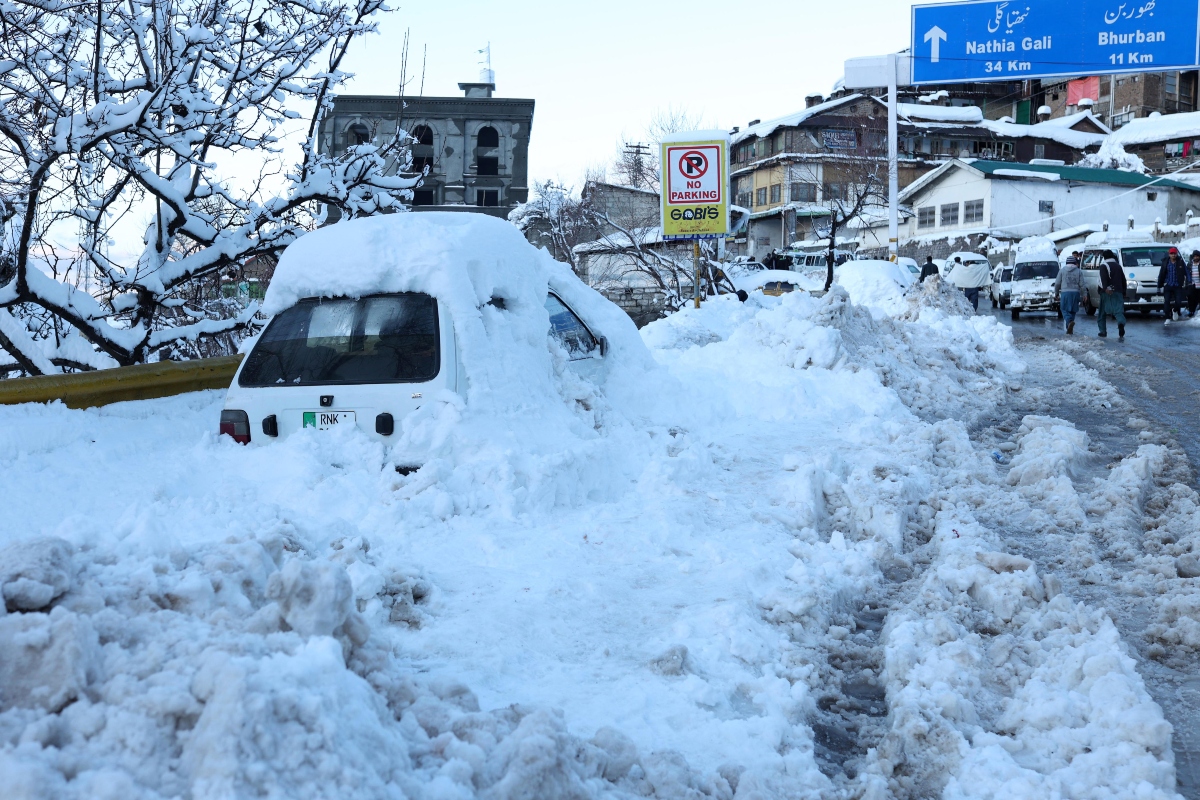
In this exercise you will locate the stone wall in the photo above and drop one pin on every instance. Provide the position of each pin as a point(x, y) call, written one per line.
point(643, 305)
point(938, 248)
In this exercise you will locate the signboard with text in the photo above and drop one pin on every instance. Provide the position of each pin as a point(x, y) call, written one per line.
point(1023, 39)
point(695, 190)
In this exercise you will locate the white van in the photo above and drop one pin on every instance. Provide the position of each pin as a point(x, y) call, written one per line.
point(1001, 289)
point(1140, 257)
point(423, 305)
point(1033, 283)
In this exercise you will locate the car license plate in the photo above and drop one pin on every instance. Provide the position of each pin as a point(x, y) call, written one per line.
point(1158, 298)
point(324, 420)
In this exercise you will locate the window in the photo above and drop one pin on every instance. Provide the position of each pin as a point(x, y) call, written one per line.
point(1151, 196)
point(1039, 151)
point(423, 197)
point(422, 135)
point(389, 338)
point(1036, 269)
point(760, 196)
point(803, 193)
point(358, 134)
point(569, 331)
point(1171, 82)
point(1045, 206)
point(776, 192)
point(926, 217)
point(743, 199)
point(488, 198)
point(949, 215)
point(1144, 257)
point(973, 211)
point(488, 137)
point(835, 191)
point(488, 165)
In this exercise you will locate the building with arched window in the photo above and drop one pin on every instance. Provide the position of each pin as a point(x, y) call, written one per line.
point(475, 148)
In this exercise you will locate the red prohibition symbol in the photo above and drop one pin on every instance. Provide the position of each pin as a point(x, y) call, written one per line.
point(693, 164)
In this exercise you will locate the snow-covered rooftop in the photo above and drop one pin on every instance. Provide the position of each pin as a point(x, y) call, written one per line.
point(1148, 130)
point(791, 120)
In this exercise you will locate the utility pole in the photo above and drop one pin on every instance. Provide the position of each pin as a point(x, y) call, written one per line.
point(636, 154)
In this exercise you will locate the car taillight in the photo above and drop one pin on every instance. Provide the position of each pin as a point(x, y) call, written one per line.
point(236, 424)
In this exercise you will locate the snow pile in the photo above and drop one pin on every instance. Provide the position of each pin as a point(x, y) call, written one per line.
point(878, 285)
point(647, 586)
point(1112, 155)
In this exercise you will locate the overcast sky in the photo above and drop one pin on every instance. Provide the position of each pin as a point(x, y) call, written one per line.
point(599, 71)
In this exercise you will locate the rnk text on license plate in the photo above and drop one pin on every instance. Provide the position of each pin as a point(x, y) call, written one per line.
point(324, 420)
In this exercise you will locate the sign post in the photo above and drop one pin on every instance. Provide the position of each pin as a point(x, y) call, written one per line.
point(992, 40)
point(695, 191)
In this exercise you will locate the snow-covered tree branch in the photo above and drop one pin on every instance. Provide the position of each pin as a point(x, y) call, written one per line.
point(115, 112)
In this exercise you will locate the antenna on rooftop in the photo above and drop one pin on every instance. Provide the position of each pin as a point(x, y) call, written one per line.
point(486, 73)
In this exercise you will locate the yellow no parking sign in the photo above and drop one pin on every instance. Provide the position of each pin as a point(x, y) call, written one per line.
point(695, 185)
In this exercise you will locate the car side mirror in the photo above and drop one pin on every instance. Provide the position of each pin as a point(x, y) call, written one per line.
point(603, 346)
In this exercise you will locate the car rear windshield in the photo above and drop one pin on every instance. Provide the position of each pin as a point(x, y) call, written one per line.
point(1036, 269)
point(380, 339)
point(1143, 256)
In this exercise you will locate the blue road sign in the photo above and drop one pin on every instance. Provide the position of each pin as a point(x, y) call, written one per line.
point(1021, 39)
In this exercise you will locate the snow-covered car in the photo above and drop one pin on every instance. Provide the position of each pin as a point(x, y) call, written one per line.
point(775, 282)
point(374, 318)
point(743, 265)
point(910, 264)
point(1001, 289)
point(1033, 283)
point(1140, 257)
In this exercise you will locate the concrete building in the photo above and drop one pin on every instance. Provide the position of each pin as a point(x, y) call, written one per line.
point(972, 202)
point(786, 171)
point(1119, 99)
point(476, 146)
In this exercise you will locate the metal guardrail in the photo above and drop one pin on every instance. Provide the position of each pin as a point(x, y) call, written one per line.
point(142, 382)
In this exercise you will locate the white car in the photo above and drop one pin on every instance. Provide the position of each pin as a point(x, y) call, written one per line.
point(1033, 284)
point(910, 264)
point(375, 317)
point(1001, 289)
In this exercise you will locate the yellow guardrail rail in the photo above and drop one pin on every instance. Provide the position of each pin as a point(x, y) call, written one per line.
point(143, 382)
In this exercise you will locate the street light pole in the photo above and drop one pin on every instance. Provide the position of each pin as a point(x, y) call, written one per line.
point(893, 162)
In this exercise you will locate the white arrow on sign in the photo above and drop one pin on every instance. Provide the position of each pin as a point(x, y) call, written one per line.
point(938, 36)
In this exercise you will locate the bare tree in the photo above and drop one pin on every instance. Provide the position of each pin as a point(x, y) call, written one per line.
point(860, 182)
point(557, 219)
point(637, 163)
point(115, 110)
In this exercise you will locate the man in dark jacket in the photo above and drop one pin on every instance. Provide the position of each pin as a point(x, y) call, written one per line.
point(1112, 294)
point(1173, 282)
point(929, 270)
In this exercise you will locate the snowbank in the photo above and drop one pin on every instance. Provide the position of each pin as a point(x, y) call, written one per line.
point(646, 588)
point(879, 285)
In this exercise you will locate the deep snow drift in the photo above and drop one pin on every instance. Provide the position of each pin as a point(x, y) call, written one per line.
point(659, 605)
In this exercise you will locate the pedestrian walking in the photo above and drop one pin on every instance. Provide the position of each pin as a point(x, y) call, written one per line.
point(1067, 287)
point(1193, 293)
point(1173, 281)
point(971, 277)
point(929, 270)
point(1112, 293)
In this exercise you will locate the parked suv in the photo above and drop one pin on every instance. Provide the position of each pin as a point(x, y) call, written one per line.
point(1140, 257)
point(1001, 289)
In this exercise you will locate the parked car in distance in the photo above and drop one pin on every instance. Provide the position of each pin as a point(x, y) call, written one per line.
point(1140, 257)
point(1033, 283)
point(1001, 289)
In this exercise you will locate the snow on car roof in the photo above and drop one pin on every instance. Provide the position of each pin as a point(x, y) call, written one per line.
point(464, 260)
